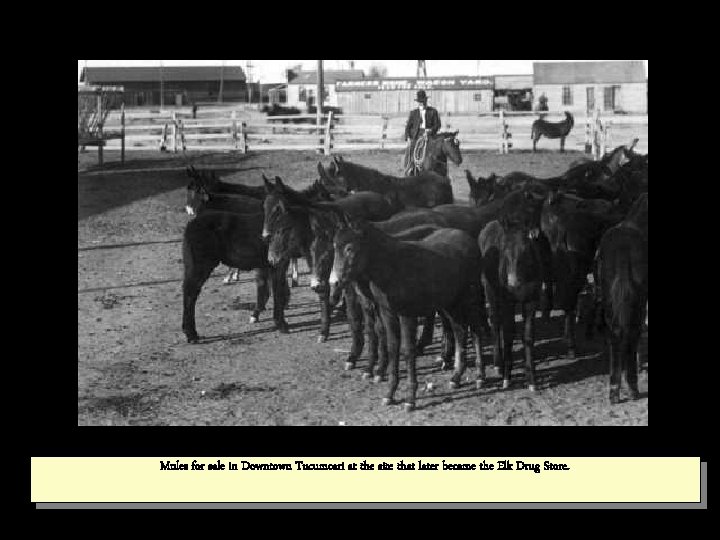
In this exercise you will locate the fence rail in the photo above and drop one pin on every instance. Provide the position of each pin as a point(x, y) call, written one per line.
point(227, 129)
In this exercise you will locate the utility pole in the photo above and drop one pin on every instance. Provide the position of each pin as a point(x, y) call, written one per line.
point(320, 98)
point(222, 80)
point(248, 79)
point(421, 69)
point(162, 87)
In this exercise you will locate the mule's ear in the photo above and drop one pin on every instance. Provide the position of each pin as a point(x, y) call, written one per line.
point(470, 179)
point(338, 161)
point(269, 186)
point(323, 173)
point(456, 133)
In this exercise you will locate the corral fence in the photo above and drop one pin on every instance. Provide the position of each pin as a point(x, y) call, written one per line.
point(234, 129)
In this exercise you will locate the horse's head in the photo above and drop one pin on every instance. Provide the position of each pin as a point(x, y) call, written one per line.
point(274, 205)
point(451, 147)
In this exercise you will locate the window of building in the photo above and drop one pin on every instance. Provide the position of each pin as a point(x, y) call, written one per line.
point(368, 96)
point(302, 94)
point(567, 95)
point(611, 94)
point(477, 96)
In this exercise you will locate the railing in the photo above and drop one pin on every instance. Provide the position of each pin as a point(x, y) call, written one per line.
point(227, 129)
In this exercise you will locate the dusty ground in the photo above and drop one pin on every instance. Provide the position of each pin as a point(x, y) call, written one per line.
point(135, 368)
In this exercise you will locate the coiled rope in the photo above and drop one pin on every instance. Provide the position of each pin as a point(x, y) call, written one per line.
point(419, 152)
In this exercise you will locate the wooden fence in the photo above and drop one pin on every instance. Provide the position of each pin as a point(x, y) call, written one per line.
point(226, 129)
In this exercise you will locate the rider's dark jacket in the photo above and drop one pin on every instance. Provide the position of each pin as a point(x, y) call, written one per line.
point(414, 123)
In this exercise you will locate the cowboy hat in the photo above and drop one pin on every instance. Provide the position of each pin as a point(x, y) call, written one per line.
point(421, 96)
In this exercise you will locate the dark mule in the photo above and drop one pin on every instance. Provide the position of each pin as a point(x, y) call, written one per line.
point(432, 154)
point(287, 227)
point(233, 239)
point(484, 190)
point(410, 279)
point(552, 130)
point(512, 273)
point(622, 294)
point(573, 231)
point(425, 190)
point(208, 179)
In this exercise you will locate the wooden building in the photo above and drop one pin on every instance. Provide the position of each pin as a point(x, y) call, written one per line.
point(513, 92)
point(181, 85)
point(578, 87)
point(302, 86)
point(396, 95)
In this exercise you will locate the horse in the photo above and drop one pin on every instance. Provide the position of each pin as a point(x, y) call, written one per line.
point(552, 130)
point(512, 272)
point(407, 280)
point(621, 268)
point(425, 190)
point(431, 153)
point(215, 237)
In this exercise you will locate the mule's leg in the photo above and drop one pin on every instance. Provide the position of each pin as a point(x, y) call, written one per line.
point(570, 332)
point(355, 322)
point(381, 334)
point(458, 327)
point(408, 329)
point(562, 145)
point(294, 281)
point(262, 288)
point(195, 278)
point(615, 366)
point(447, 345)
point(631, 363)
point(280, 293)
point(324, 297)
point(392, 327)
point(476, 328)
point(529, 342)
point(508, 334)
point(427, 333)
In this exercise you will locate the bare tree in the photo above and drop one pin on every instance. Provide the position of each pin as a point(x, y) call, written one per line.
point(378, 70)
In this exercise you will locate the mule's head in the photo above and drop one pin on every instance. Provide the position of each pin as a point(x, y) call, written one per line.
point(451, 147)
point(333, 177)
point(522, 210)
point(284, 241)
point(197, 196)
point(520, 268)
point(274, 205)
point(482, 190)
point(351, 254)
point(570, 119)
point(323, 226)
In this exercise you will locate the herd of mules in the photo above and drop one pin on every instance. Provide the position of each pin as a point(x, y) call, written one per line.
point(397, 252)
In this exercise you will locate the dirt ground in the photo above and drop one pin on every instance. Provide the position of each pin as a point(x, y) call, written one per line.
point(135, 367)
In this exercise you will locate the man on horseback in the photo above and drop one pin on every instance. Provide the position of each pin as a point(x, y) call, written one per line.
point(422, 122)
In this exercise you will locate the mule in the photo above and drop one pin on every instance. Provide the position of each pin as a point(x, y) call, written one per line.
point(622, 295)
point(572, 233)
point(484, 190)
point(286, 225)
point(408, 280)
point(432, 153)
point(511, 274)
point(552, 130)
point(425, 190)
point(215, 237)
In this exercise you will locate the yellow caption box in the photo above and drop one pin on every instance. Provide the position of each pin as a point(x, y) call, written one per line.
point(96, 479)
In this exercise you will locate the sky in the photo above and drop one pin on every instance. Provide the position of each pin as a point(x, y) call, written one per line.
point(270, 71)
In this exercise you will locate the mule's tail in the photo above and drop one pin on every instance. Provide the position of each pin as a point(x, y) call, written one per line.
point(624, 291)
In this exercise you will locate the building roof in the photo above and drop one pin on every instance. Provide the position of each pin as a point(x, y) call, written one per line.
point(169, 73)
point(329, 76)
point(623, 71)
point(513, 82)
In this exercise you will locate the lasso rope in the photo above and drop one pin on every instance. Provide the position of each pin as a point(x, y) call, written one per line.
point(420, 147)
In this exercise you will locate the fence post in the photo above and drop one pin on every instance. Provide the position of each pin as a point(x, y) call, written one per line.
point(503, 143)
point(163, 138)
point(608, 138)
point(122, 133)
point(243, 138)
point(383, 132)
point(595, 141)
point(100, 128)
point(174, 132)
point(588, 133)
point(328, 133)
point(234, 129)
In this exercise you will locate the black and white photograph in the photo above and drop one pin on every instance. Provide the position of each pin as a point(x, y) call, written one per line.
point(362, 243)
